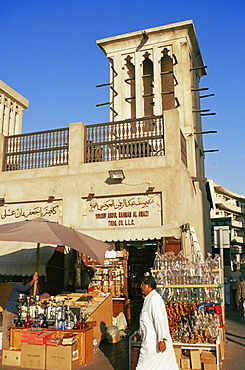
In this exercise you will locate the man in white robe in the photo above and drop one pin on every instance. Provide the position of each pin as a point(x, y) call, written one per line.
point(156, 351)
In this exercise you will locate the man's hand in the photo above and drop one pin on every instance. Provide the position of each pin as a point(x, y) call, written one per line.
point(34, 278)
point(161, 346)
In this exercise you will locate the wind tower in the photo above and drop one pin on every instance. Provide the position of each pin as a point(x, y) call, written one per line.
point(157, 70)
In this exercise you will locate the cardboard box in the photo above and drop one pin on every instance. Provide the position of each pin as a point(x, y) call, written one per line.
point(178, 352)
point(208, 358)
point(62, 357)
point(178, 362)
point(210, 367)
point(11, 357)
point(33, 356)
point(185, 363)
point(195, 359)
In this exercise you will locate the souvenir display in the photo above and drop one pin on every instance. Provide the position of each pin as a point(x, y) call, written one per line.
point(191, 289)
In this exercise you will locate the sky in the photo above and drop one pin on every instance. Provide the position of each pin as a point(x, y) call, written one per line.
point(49, 55)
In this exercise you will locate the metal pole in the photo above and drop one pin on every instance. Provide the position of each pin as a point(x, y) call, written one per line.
point(36, 270)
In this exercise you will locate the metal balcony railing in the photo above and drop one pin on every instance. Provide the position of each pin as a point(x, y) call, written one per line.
point(36, 150)
point(133, 138)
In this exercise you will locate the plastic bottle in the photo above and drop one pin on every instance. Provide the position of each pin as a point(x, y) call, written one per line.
point(95, 345)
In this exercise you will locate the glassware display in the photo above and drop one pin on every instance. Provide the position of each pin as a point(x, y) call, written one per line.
point(28, 323)
point(192, 323)
point(190, 287)
point(36, 322)
point(179, 270)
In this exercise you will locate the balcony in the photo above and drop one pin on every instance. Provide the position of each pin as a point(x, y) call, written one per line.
point(221, 203)
point(238, 224)
point(36, 150)
point(237, 239)
point(134, 138)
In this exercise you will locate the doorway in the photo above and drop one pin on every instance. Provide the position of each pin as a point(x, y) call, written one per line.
point(140, 260)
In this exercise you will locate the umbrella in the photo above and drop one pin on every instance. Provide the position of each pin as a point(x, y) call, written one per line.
point(41, 230)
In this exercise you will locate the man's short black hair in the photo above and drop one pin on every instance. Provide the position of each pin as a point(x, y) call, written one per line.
point(149, 280)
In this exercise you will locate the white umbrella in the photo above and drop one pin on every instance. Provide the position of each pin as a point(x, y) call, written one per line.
point(41, 230)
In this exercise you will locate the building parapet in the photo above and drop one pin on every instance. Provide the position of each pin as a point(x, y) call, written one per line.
point(36, 150)
point(127, 139)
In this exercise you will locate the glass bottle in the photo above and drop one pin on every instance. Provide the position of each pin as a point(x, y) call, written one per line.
point(95, 345)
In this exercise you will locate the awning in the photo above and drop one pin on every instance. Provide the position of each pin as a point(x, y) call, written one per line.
point(121, 234)
point(23, 262)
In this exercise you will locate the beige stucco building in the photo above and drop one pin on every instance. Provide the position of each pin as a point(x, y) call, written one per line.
point(154, 137)
point(12, 106)
point(228, 214)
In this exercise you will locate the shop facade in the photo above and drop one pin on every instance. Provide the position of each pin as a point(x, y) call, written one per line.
point(136, 182)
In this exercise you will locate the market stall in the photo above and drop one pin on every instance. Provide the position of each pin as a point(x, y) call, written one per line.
point(112, 277)
point(193, 292)
point(85, 316)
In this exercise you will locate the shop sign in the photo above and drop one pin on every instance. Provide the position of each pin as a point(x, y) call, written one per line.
point(30, 210)
point(126, 211)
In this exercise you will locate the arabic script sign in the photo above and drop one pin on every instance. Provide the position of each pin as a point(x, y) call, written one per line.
point(22, 211)
point(129, 211)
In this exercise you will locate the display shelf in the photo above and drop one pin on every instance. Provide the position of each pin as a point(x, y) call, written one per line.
point(202, 347)
point(112, 275)
point(109, 278)
point(217, 348)
point(213, 270)
point(191, 286)
point(98, 309)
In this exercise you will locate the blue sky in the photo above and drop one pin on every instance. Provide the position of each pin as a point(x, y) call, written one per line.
point(49, 55)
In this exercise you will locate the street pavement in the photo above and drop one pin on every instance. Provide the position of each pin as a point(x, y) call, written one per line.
point(235, 340)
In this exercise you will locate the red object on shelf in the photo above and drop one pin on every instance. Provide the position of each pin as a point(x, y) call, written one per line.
point(43, 338)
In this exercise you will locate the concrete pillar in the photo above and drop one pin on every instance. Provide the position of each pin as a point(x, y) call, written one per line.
point(139, 85)
point(6, 117)
point(157, 82)
point(76, 144)
point(12, 118)
point(2, 99)
point(1, 152)
point(18, 121)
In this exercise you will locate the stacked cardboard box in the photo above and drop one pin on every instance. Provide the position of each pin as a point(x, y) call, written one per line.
point(195, 359)
point(11, 357)
point(62, 357)
point(33, 356)
point(208, 360)
point(40, 351)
